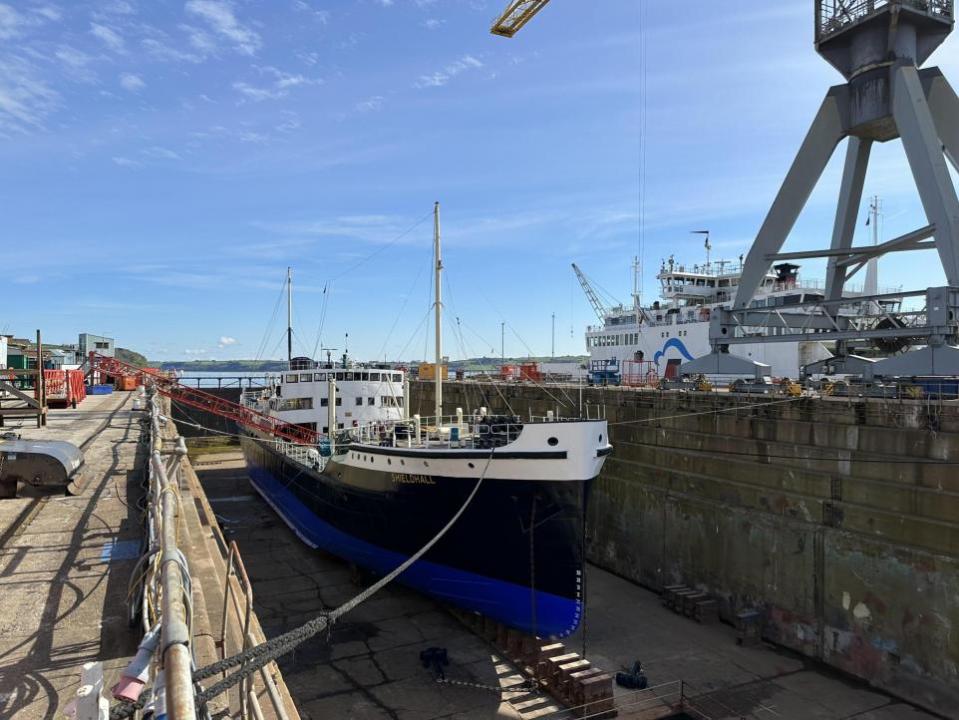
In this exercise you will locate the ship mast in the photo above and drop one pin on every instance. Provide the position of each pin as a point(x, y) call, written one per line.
point(438, 309)
point(289, 314)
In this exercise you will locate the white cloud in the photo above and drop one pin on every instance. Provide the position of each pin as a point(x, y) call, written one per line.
point(76, 63)
point(385, 3)
point(219, 15)
point(49, 12)
point(131, 82)
point(119, 7)
point(160, 153)
point(257, 94)
point(200, 39)
point(371, 104)
point(108, 36)
point(322, 16)
point(226, 340)
point(441, 77)
point(11, 22)
point(124, 162)
point(432, 23)
point(24, 99)
point(279, 86)
point(195, 351)
point(162, 51)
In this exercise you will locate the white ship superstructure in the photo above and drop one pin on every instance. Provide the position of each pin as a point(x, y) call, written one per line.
point(676, 327)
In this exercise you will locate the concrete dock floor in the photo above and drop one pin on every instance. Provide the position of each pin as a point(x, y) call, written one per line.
point(369, 667)
point(65, 563)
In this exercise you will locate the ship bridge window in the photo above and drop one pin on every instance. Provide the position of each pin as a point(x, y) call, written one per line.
point(290, 378)
point(296, 404)
point(320, 377)
point(350, 376)
point(397, 377)
point(375, 377)
point(306, 377)
point(364, 376)
point(339, 376)
point(724, 283)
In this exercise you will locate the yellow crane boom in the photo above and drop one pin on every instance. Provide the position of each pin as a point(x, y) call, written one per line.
point(516, 15)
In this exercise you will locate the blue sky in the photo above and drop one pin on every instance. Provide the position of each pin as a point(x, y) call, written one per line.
point(162, 162)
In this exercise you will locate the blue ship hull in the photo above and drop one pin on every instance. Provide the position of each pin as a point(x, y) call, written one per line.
point(525, 575)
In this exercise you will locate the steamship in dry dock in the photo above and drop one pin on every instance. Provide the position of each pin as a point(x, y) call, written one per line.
point(378, 485)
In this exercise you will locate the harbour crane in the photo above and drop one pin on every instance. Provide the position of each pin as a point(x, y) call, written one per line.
point(516, 15)
point(591, 295)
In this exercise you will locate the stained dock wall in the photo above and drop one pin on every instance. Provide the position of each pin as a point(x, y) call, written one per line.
point(837, 518)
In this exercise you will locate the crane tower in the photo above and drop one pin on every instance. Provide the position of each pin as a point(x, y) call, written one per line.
point(878, 46)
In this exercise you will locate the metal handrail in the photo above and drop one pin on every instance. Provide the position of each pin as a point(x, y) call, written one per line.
point(833, 16)
point(248, 698)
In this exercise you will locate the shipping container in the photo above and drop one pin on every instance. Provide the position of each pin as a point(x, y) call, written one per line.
point(126, 383)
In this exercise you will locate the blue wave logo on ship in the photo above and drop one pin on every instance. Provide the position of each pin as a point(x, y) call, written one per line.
point(672, 343)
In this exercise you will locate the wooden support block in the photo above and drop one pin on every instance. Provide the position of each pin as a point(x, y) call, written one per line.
point(597, 696)
point(679, 599)
point(669, 591)
point(501, 638)
point(514, 644)
point(563, 682)
point(528, 649)
point(545, 653)
point(706, 612)
point(552, 674)
point(689, 602)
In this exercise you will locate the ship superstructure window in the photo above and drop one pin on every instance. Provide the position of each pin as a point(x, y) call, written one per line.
point(375, 377)
point(291, 378)
point(306, 377)
point(296, 404)
point(359, 400)
point(397, 377)
point(324, 402)
point(390, 401)
point(320, 377)
point(371, 402)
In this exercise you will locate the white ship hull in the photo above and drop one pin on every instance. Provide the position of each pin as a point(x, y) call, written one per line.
point(690, 340)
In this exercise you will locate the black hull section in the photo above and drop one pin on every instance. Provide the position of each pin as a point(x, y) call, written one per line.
point(515, 555)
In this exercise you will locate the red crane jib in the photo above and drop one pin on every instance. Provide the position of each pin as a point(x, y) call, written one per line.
point(170, 387)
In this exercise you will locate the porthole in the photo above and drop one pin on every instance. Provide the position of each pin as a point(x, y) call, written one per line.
point(601, 438)
point(388, 461)
point(402, 462)
point(425, 464)
point(555, 441)
point(371, 458)
point(471, 465)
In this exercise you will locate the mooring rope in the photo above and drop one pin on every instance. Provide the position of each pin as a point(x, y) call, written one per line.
point(254, 658)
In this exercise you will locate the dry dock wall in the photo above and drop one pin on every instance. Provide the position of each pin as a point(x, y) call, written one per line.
point(837, 518)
